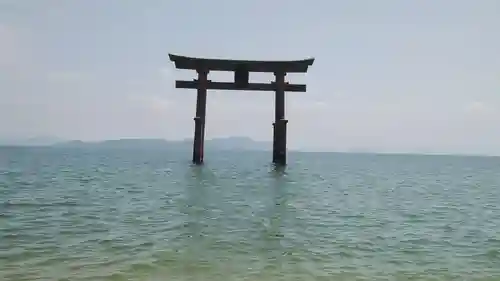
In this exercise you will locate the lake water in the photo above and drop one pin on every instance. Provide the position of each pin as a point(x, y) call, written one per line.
point(75, 214)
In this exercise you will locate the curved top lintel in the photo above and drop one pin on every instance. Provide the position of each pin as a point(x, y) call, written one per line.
point(297, 66)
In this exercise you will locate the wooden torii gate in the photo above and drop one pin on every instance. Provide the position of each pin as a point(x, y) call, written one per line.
point(241, 69)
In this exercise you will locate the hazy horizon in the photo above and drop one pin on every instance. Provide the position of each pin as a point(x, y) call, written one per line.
point(56, 142)
point(388, 75)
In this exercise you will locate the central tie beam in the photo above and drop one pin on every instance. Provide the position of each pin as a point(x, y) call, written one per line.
point(241, 82)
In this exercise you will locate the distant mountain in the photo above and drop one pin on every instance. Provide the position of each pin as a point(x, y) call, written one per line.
point(34, 141)
point(237, 143)
point(230, 143)
point(120, 143)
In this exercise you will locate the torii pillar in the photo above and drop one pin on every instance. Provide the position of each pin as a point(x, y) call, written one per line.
point(199, 119)
point(279, 125)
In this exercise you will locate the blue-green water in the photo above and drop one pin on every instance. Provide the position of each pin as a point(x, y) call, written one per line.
point(149, 215)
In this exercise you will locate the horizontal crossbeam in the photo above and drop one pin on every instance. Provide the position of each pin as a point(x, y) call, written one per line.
point(181, 84)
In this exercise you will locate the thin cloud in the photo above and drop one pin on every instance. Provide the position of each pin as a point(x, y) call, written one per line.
point(17, 53)
point(166, 73)
point(9, 46)
point(154, 103)
point(479, 108)
point(307, 105)
point(67, 77)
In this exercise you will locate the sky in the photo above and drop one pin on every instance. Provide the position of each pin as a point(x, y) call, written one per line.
point(388, 75)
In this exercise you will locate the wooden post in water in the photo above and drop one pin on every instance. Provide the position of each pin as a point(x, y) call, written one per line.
point(241, 69)
point(199, 120)
point(279, 125)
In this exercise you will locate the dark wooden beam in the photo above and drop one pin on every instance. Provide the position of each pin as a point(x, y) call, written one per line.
point(295, 66)
point(181, 84)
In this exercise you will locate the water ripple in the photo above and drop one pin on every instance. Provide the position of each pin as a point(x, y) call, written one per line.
point(143, 215)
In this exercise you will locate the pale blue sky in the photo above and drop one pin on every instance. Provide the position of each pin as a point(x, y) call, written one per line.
point(389, 75)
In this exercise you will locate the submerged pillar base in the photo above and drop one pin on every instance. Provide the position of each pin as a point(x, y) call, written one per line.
point(279, 142)
point(198, 142)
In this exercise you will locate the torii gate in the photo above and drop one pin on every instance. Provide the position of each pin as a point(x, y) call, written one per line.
point(241, 69)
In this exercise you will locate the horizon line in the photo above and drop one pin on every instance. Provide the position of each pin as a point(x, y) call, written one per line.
point(293, 150)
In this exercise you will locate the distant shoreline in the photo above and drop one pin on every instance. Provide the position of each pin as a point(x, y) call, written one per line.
point(231, 143)
point(187, 145)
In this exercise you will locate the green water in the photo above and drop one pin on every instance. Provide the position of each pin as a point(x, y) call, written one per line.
point(148, 215)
